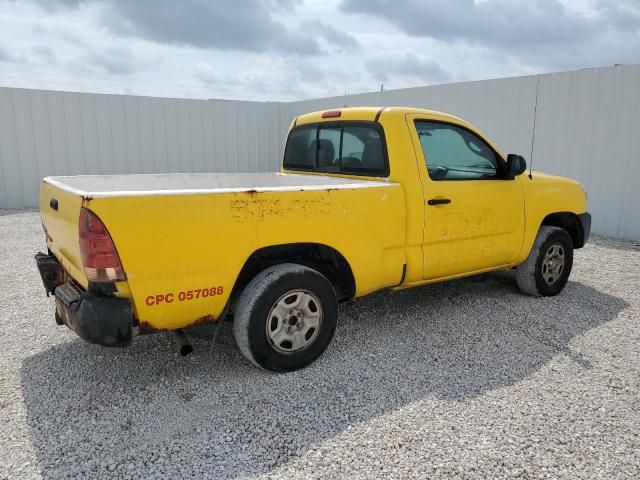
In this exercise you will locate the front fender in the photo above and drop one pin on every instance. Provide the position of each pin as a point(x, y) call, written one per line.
point(545, 195)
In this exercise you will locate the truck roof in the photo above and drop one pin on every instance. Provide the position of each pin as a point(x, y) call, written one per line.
point(371, 113)
point(97, 186)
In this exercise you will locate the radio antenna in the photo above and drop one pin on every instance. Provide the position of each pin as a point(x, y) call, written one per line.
point(533, 134)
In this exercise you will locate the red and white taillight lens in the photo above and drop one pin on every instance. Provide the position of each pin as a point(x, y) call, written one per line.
point(99, 255)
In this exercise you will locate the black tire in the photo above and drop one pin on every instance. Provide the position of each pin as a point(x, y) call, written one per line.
point(530, 275)
point(256, 305)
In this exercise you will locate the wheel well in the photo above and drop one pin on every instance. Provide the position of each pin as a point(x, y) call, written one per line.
point(322, 258)
point(567, 221)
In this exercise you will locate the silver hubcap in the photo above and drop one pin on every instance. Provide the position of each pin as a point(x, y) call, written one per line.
point(294, 321)
point(553, 263)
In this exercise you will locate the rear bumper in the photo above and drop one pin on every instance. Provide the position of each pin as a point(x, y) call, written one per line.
point(585, 222)
point(100, 319)
point(97, 319)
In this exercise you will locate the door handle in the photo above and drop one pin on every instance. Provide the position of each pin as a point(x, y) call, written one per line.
point(439, 201)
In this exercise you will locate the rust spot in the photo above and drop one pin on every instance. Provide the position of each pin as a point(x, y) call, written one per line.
point(252, 193)
point(146, 328)
point(205, 319)
point(85, 200)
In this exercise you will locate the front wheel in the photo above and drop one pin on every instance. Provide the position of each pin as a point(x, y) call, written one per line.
point(547, 269)
point(285, 317)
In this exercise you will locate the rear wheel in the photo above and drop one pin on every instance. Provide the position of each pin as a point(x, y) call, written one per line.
point(285, 317)
point(547, 269)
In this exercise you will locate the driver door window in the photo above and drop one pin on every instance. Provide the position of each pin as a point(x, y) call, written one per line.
point(453, 153)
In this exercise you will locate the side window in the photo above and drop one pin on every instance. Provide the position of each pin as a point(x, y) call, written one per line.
point(453, 153)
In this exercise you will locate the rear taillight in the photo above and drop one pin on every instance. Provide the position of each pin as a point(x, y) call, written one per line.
point(99, 255)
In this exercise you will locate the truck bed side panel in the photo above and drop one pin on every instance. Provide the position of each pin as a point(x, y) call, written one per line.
point(366, 225)
point(176, 247)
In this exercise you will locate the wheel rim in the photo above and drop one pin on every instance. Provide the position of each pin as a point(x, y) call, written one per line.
point(553, 263)
point(294, 321)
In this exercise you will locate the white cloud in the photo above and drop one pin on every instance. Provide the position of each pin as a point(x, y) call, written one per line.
point(409, 64)
point(302, 49)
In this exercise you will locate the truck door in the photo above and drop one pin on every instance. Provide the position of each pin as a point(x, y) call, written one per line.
point(474, 212)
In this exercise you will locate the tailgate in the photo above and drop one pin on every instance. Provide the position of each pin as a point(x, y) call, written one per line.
point(60, 213)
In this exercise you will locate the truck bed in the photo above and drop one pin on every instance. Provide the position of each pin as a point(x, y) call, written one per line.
point(100, 186)
point(179, 232)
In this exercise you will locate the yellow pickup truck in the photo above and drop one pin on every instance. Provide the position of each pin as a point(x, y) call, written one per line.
point(367, 199)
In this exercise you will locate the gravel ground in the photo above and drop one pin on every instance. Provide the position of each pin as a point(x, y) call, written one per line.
point(466, 379)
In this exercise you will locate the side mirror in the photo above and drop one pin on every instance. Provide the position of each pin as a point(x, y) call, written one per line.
point(516, 164)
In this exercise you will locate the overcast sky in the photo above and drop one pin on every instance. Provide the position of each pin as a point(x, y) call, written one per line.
point(295, 49)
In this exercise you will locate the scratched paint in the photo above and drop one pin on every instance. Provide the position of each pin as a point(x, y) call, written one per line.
point(260, 208)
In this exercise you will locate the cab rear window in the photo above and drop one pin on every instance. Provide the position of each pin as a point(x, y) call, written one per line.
point(352, 148)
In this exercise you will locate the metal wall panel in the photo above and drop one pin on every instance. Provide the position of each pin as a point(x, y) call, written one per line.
point(62, 133)
point(12, 195)
point(25, 142)
point(586, 127)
